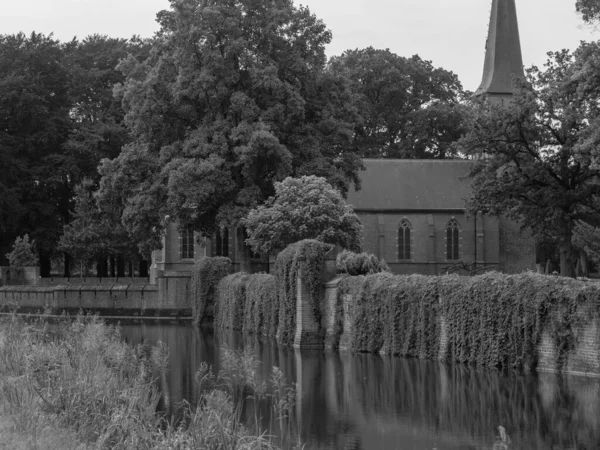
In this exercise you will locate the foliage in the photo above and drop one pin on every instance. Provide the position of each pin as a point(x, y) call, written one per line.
point(23, 253)
point(81, 379)
point(491, 320)
point(308, 256)
point(93, 233)
point(206, 274)
point(354, 264)
point(230, 301)
point(302, 208)
point(233, 97)
point(58, 118)
point(392, 314)
point(409, 109)
point(261, 310)
point(541, 150)
point(589, 10)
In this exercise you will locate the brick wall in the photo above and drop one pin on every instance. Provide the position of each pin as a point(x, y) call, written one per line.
point(479, 240)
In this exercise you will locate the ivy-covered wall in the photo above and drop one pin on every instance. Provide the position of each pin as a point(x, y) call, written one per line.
point(520, 321)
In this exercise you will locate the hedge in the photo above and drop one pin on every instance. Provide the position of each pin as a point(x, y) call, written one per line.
point(287, 266)
point(206, 274)
point(491, 320)
point(354, 264)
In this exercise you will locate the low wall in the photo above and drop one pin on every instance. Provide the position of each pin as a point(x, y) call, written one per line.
point(338, 323)
point(93, 281)
point(108, 300)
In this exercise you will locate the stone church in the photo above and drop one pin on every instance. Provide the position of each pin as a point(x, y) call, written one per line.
point(413, 211)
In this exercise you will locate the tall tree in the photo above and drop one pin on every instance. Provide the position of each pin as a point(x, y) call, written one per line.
point(234, 96)
point(539, 155)
point(409, 108)
point(34, 124)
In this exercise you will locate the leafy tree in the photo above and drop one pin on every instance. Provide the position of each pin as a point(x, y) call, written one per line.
point(589, 10)
point(538, 163)
point(23, 253)
point(303, 208)
point(234, 96)
point(409, 108)
point(34, 124)
point(93, 233)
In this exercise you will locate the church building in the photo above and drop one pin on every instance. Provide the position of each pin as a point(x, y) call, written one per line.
point(412, 211)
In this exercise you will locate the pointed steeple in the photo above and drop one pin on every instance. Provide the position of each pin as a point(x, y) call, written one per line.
point(503, 59)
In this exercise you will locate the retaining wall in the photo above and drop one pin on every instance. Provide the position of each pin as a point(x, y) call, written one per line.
point(109, 300)
point(584, 359)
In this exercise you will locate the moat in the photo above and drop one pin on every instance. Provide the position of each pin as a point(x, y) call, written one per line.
point(360, 401)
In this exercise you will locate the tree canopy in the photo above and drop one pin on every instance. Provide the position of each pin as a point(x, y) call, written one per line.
point(409, 108)
point(233, 97)
point(303, 208)
point(539, 156)
point(589, 10)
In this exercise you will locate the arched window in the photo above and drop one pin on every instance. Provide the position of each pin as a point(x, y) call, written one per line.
point(222, 242)
point(186, 243)
point(452, 240)
point(404, 242)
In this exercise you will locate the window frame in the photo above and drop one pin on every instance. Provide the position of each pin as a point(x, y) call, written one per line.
point(452, 240)
point(187, 243)
point(405, 228)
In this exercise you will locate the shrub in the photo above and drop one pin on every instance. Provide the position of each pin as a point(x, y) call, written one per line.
point(287, 265)
point(23, 254)
point(303, 208)
point(230, 300)
point(206, 274)
point(355, 264)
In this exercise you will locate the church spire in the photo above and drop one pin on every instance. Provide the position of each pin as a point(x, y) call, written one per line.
point(503, 59)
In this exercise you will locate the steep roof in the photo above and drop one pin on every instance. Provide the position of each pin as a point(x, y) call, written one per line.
point(408, 184)
point(503, 58)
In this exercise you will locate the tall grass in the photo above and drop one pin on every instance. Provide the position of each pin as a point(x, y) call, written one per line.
point(80, 377)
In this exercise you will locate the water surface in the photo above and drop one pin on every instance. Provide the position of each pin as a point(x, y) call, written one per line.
point(375, 402)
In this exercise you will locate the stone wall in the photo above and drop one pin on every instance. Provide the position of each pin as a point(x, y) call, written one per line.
point(110, 300)
point(583, 360)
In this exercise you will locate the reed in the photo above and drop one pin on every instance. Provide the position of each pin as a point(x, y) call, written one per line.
point(79, 379)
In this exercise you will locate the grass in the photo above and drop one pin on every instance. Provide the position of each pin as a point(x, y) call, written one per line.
point(77, 385)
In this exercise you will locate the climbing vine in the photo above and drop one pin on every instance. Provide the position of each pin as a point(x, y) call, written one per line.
point(230, 300)
point(261, 310)
point(310, 256)
point(206, 274)
point(491, 320)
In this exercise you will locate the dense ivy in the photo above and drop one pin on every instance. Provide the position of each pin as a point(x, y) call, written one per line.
point(206, 274)
point(492, 320)
point(261, 310)
point(230, 300)
point(311, 254)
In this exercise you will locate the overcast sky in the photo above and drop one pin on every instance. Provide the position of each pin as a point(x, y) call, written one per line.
point(451, 33)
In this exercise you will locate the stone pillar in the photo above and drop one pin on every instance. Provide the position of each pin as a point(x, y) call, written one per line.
point(309, 333)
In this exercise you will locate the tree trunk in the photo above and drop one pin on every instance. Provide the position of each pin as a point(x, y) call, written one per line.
point(566, 256)
point(45, 264)
point(143, 268)
point(113, 267)
point(120, 266)
point(67, 261)
point(585, 271)
point(130, 264)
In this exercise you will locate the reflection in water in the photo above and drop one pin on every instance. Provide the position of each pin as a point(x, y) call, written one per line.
point(369, 402)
